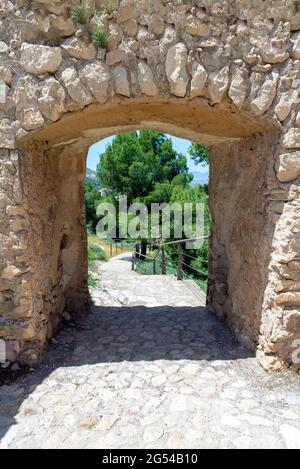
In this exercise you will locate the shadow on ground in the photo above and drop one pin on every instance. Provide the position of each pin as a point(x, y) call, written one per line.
point(120, 334)
point(116, 334)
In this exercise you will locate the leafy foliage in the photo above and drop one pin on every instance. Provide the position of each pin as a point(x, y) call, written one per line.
point(144, 166)
point(94, 253)
point(77, 14)
point(137, 162)
point(92, 198)
point(196, 260)
point(199, 153)
point(100, 37)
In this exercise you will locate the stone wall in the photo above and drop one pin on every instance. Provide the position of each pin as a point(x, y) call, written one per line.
point(236, 60)
point(240, 246)
point(47, 273)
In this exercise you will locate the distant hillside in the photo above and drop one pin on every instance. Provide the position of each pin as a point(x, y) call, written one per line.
point(200, 178)
point(91, 176)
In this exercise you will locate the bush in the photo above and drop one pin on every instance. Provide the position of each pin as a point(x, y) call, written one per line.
point(100, 38)
point(96, 253)
point(77, 14)
point(92, 282)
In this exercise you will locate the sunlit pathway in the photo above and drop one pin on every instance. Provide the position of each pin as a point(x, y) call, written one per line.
point(150, 368)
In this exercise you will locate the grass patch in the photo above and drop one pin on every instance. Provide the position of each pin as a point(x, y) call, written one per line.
point(95, 253)
point(77, 14)
point(92, 282)
point(100, 38)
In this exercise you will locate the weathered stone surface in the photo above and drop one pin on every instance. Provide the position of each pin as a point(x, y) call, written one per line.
point(218, 85)
point(296, 46)
point(199, 78)
point(75, 87)
point(61, 26)
point(115, 35)
point(17, 210)
point(131, 27)
point(126, 11)
point(266, 95)
point(272, 55)
point(98, 78)
point(156, 25)
point(26, 99)
point(114, 56)
point(7, 134)
point(5, 74)
point(287, 99)
point(121, 82)
point(289, 298)
point(112, 5)
point(146, 82)
point(3, 93)
point(292, 139)
point(99, 20)
point(3, 47)
point(154, 49)
point(238, 88)
point(176, 69)
point(196, 27)
point(295, 22)
point(10, 272)
point(51, 99)
point(79, 49)
point(89, 7)
point(39, 59)
point(288, 167)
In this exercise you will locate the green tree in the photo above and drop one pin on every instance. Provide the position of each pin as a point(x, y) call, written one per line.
point(92, 198)
point(199, 153)
point(142, 165)
point(196, 260)
point(135, 162)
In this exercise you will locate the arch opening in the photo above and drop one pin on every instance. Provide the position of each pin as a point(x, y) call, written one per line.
point(242, 158)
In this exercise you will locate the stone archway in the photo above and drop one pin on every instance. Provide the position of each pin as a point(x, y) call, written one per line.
point(220, 73)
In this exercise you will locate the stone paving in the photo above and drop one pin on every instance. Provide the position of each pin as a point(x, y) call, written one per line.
point(150, 368)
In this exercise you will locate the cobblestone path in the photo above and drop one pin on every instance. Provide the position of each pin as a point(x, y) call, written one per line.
point(150, 368)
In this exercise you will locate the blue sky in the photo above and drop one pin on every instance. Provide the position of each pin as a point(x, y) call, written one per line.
point(179, 144)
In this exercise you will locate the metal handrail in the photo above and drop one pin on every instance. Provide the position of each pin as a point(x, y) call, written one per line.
point(143, 255)
point(182, 241)
point(161, 250)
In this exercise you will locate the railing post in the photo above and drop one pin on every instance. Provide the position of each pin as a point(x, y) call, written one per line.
point(110, 249)
point(137, 248)
point(154, 266)
point(180, 267)
point(116, 248)
point(133, 257)
point(163, 261)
